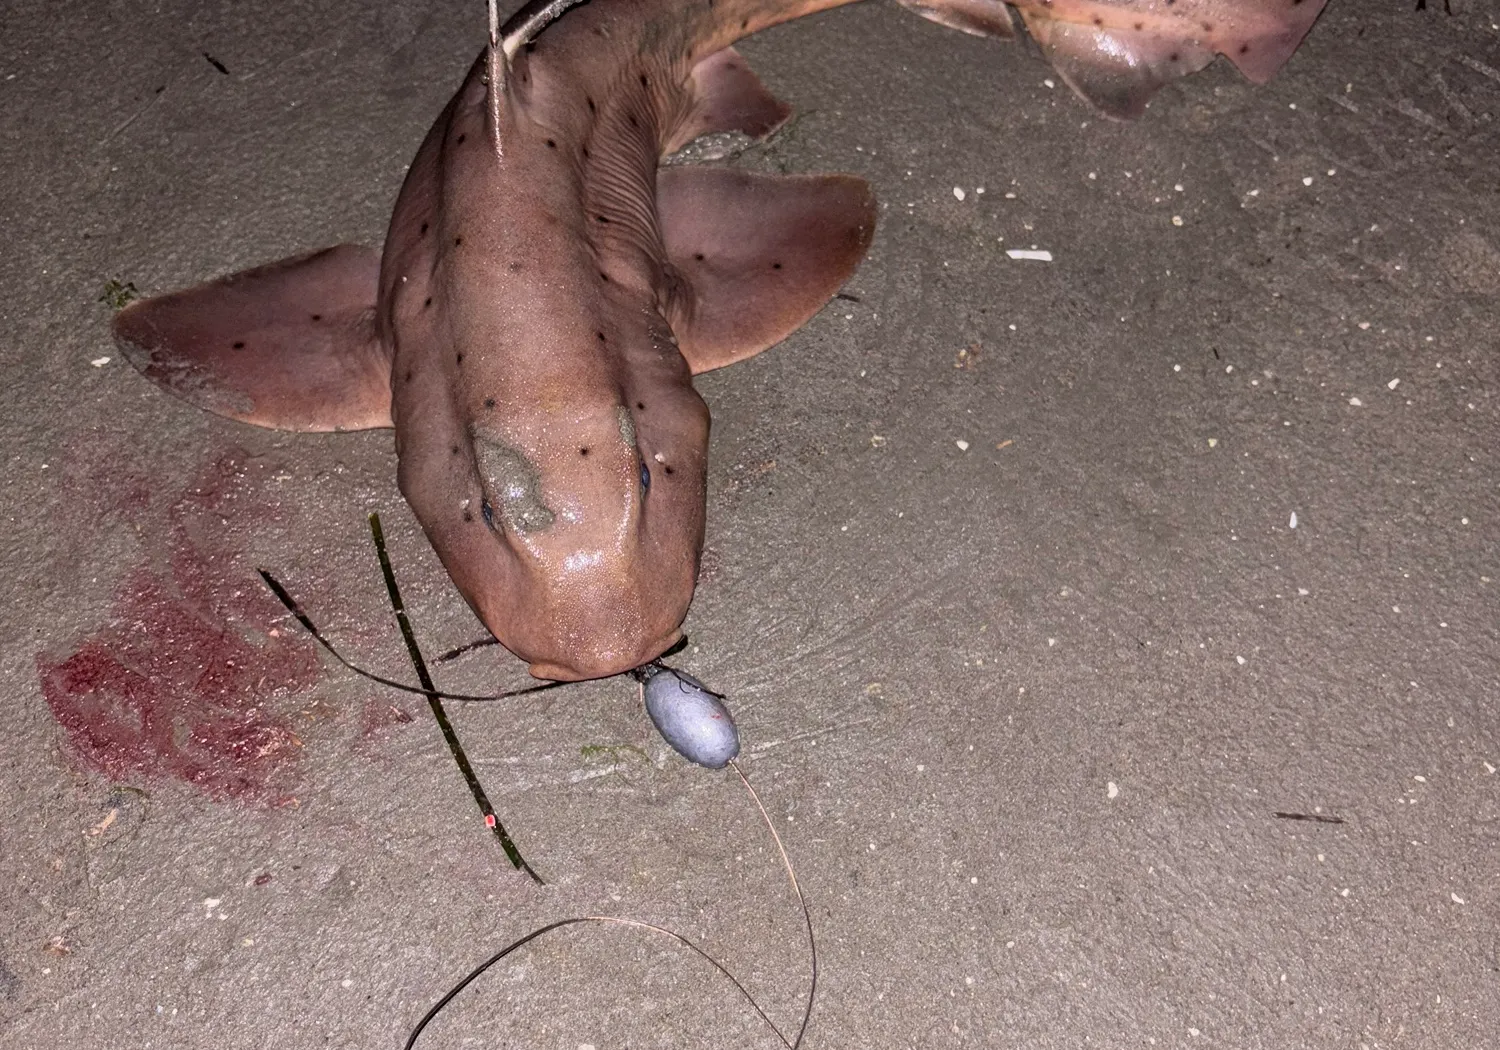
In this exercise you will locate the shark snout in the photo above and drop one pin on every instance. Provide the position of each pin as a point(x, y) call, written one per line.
point(602, 616)
point(576, 667)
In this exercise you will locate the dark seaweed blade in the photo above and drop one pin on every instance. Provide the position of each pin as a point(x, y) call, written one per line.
point(441, 716)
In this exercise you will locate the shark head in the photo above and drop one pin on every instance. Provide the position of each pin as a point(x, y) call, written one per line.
point(572, 524)
point(602, 521)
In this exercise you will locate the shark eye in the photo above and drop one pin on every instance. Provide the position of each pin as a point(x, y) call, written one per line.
point(645, 478)
point(488, 512)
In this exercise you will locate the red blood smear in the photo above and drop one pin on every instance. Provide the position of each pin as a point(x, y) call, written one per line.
point(183, 681)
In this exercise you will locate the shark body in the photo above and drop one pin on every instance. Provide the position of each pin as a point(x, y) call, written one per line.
point(547, 291)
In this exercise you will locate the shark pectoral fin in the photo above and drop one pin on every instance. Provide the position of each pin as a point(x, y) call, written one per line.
point(976, 17)
point(291, 345)
point(727, 96)
point(757, 254)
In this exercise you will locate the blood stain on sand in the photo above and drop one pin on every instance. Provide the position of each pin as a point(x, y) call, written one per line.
point(183, 681)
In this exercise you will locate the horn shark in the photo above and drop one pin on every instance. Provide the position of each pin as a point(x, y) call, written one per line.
point(547, 291)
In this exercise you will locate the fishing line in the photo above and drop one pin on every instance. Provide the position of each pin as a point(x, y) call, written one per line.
point(455, 653)
point(612, 920)
point(427, 689)
point(434, 698)
point(295, 608)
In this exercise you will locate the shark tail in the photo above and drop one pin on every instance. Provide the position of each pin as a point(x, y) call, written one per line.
point(1116, 54)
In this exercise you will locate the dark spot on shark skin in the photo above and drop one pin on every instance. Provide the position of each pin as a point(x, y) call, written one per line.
point(645, 81)
point(461, 138)
point(1098, 21)
point(776, 266)
point(640, 406)
point(590, 101)
point(603, 276)
point(1244, 49)
point(515, 267)
point(1172, 57)
point(468, 515)
point(317, 317)
point(1139, 26)
point(666, 468)
point(423, 231)
point(454, 450)
point(585, 153)
point(583, 451)
point(239, 344)
point(489, 402)
point(408, 375)
point(601, 336)
point(698, 256)
point(745, 23)
point(457, 241)
point(603, 218)
point(633, 122)
point(1208, 27)
point(459, 358)
point(552, 144)
point(427, 302)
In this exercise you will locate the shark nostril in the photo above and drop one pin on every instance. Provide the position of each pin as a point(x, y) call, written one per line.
point(512, 482)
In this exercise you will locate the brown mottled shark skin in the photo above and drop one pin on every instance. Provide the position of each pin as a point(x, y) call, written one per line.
point(547, 291)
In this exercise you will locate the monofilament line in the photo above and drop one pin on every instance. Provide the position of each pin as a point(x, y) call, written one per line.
point(812, 946)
